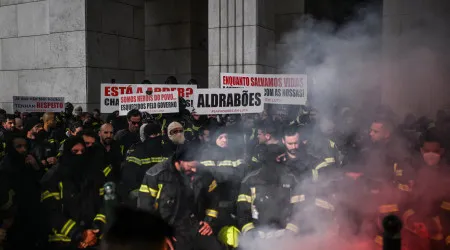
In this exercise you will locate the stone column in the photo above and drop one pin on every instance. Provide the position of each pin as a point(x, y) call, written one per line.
point(241, 37)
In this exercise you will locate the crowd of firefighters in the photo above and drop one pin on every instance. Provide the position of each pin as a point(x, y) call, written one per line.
point(219, 180)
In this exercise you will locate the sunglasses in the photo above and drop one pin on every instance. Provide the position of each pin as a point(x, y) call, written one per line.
point(136, 123)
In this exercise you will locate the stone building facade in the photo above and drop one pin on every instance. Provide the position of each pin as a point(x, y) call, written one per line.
point(68, 47)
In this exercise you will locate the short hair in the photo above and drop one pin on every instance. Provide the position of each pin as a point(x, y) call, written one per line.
point(290, 131)
point(431, 136)
point(133, 113)
point(136, 229)
point(88, 133)
point(5, 118)
point(387, 123)
point(46, 116)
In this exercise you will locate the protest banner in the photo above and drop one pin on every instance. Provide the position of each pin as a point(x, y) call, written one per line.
point(278, 89)
point(156, 103)
point(38, 104)
point(110, 92)
point(228, 101)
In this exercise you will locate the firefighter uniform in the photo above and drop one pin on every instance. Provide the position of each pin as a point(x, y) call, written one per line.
point(141, 157)
point(68, 211)
point(268, 198)
point(182, 202)
point(429, 210)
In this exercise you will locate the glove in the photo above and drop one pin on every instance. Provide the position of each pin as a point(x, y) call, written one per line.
point(89, 239)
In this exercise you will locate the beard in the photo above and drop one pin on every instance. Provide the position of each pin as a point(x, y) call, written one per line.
point(177, 139)
point(107, 141)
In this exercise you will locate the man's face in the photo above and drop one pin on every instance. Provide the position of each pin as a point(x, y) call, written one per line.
point(292, 143)
point(205, 137)
point(21, 146)
point(89, 141)
point(106, 135)
point(432, 153)
point(51, 121)
point(78, 149)
point(134, 124)
point(261, 137)
point(188, 167)
point(222, 141)
point(378, 132)
point(19, 124)
point(10, 124)
point(77, 130)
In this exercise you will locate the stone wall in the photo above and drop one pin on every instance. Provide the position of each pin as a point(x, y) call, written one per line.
point(176, 40)
point(416, 49)
point(115, 44)
point(42, 50)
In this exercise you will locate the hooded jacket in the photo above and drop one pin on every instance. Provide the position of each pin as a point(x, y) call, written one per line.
point(72, 196)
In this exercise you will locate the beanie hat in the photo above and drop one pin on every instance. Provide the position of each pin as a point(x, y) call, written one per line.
point(174, 125)
point(152, 129)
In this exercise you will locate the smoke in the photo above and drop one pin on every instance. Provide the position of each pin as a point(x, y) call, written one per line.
point(360, 66)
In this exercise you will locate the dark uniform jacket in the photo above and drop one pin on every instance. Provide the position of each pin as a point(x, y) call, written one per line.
point(72, 203)
point(125, 138)
point(267, 197)
point(180, 200)
point(140, 158)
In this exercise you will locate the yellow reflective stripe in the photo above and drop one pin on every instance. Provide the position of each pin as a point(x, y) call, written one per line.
point(254, 159)
point(60, 190)
point(212, 213)
point(297, 198)
point(379, 240)
point(408, 214)
point(247, 227)
point(145, 189)
point(67, 227)
point(195, 127)
point(58, 238)
point(325, 163)
point(208, 163)
point(324, 204)
point(253, 134)
point(160, 186)
point(100, 217)
point(404, 187)
point(101, 191)
point(292, 227)
point(253, 193)
point(445, 205)
point(51, 140)
point(212, 186)
point(244, 198)
point(9, 203)
point(332, 144)
point(135, 160)
point(385, 209)
point(61, 143)
point(47, 194)
point(122, 148)
point(229, 163)
point(107, 170)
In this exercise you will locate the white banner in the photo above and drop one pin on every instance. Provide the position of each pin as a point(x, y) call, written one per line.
point(110, 92)
point(228, 101)
point(156, 103)
point(38, 104)
point(278, 89)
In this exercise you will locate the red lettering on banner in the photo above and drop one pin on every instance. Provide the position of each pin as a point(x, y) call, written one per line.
point(139, 90)
point(49, 105)
point(115, 91)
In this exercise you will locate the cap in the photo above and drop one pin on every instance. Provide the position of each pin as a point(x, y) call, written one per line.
point(152, 129)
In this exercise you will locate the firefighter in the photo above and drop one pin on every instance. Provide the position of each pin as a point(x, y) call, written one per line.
point(186, 200)
point(130, 135)
point(220, 160)
point(267, 135)
point(113, 152)
point(387, 177)
point(428, 215)
point(268, 198)
point(22, 173)
point(144, 155)
point(72, 199)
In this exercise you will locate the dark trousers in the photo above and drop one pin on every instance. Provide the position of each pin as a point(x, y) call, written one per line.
point(199, 242)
